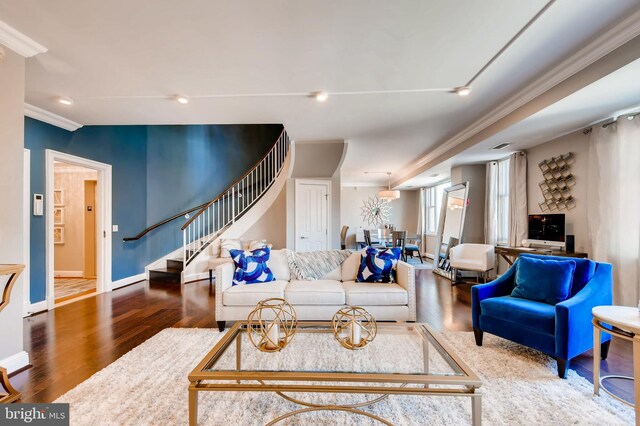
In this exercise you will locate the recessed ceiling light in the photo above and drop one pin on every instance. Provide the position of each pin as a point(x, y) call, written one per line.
point(182, 99)
point(65, 101)
point(320, 96)
point(462, 90)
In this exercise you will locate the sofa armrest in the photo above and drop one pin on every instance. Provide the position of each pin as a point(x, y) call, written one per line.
point(574, 331)
point(406, 278)
point(224, 281)
point(501, 286)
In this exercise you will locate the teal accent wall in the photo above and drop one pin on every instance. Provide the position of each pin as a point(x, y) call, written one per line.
point(158, 171)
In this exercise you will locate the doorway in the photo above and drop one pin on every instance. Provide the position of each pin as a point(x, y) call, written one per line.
point(78, 213)
point(312, 207)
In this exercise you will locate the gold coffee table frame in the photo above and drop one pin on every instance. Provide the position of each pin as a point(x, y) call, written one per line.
point(465, 384)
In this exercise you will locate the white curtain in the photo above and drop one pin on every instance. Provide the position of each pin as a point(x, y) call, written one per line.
point(518, 214)
point(421, 212)
point(613, 204)
point(491, 205)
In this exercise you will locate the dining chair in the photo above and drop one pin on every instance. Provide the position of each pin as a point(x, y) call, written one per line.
point(413, 246)
point(343, 237)
point(367, 239)
point(398, 239)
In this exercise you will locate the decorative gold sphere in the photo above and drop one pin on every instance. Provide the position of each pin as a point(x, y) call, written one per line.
point(272, 324)
point(354, 327)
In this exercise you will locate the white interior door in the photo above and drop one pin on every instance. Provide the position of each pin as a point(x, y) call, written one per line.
point(312, 215)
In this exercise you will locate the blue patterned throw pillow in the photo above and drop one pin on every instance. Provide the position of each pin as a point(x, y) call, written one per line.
point(378, 266)
point(251, 266)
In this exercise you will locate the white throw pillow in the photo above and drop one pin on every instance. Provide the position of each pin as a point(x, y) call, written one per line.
point(229, 244)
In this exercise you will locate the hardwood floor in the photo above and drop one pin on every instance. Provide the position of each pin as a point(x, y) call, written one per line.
point(72, 342)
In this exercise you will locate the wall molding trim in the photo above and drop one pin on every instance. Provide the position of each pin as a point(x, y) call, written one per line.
point(625, 31)
point(19, 42)
point(35, 308)
point(15, 362)
point(67, 274)
point(50, 118)
point(129, 280)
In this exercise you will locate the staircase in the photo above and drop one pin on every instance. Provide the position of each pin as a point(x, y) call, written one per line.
point(213, 218)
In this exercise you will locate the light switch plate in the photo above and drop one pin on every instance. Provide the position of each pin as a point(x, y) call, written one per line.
point(115, 228)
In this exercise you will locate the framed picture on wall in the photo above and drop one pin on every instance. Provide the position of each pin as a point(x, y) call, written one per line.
point(58, 216)
point(58, 197)
point(58, 235)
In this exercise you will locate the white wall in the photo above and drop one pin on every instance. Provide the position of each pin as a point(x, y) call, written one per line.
point(272, 225)
point(404, 211)
point(316, 160)
point(475, 174)
point(11, 207)
point(576, 219)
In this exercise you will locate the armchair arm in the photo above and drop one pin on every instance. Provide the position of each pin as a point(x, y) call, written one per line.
point(574, 332)
point(501, 286)
point(406, 278)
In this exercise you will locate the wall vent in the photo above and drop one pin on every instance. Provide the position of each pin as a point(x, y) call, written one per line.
point(501, 146)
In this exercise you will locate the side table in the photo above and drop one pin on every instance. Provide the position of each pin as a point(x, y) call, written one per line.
point(626, 321)
point(14, 270)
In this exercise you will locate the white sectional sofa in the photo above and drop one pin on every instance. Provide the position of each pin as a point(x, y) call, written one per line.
point(320, 299)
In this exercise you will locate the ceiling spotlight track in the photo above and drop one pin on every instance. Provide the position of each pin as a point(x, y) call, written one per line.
point(510, 42)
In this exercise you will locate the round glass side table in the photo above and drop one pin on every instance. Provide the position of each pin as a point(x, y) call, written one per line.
point(625, 322)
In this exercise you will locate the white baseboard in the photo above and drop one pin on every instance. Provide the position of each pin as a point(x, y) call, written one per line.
point(35, 308)
point(196, 277)
point(129, 280)
point(68, 274)
point(15, 362)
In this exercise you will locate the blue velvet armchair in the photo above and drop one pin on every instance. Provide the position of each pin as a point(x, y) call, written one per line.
point(563, 330)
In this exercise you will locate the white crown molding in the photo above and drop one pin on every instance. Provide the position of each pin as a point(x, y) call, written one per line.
point(19, 42)
point(49, 117)
point(617, 36)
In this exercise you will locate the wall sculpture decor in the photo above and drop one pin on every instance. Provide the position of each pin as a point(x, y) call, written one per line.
point(557, 183)
point(375, 211)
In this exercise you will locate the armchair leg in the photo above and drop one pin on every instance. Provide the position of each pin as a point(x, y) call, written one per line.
point(210, 276)
point(604, 349)
point(478, 335)
point(563, 367)
point(221, 325)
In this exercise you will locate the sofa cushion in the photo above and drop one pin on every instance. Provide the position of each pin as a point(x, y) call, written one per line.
point(543, 280)
point(318, 292)
point(528, 313)
point(251, 266)
point(350, 267)
point(279, 265)
point(335, 275)
point(227, 244)
point(250, 295)
point(374, 294)
point(378, 266)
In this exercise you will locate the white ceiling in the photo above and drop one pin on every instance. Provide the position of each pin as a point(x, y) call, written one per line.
point(122, 60)
point(615, 94)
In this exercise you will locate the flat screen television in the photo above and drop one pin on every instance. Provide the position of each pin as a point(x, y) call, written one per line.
point(546, 230)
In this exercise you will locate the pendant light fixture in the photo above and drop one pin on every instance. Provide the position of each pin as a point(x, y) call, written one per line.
point(388, 194)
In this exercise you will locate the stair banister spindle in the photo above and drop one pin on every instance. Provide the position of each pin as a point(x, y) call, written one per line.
point(233, 204)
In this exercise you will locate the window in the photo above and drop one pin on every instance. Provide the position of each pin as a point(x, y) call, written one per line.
point(503, 201)
point(432, 201)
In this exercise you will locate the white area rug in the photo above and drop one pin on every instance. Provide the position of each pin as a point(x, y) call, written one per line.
point(148, 386)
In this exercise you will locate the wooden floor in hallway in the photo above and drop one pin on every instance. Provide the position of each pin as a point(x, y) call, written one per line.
point(70, 343)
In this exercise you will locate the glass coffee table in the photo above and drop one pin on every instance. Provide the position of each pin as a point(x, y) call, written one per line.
point(404, 359)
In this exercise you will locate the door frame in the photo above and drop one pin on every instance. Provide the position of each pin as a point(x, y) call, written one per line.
point(103, 220)
point(325, 182)
point(26, 235)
